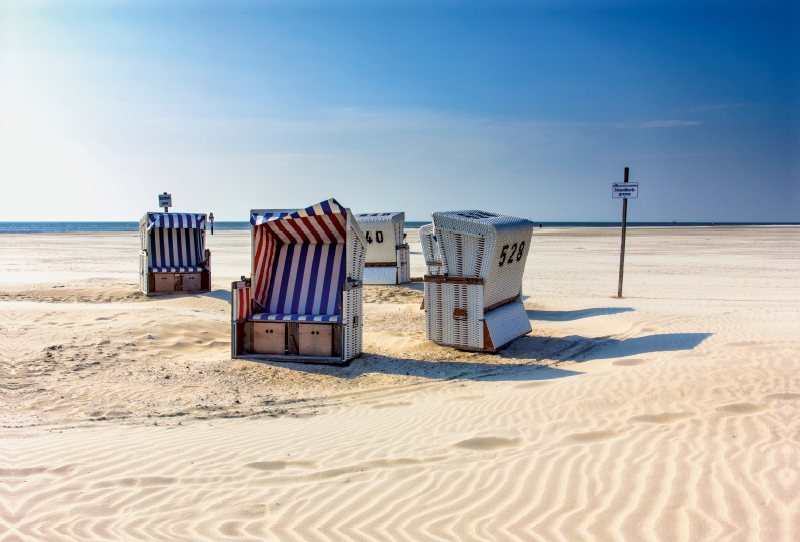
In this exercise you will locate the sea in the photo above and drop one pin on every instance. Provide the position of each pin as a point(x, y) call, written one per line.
point(71, 227)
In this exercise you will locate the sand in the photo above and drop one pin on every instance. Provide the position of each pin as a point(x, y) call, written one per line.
point(670, 414)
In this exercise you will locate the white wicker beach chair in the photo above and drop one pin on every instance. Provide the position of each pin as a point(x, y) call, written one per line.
point(304, 300)
point(387, 251)
point(172, 253)
point(475, 303)
point(430, 249)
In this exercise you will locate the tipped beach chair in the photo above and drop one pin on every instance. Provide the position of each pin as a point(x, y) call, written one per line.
point(303, 300)
point(172, 253)
point(475, 303)
point(387, 251)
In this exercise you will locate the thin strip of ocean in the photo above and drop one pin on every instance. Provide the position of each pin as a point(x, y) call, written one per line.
point(71, 227)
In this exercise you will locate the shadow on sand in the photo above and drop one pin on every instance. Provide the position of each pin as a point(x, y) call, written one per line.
point(529, 359)
point(565, 316)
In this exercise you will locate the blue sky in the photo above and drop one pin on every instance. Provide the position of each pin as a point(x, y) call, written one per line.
point(531, 109)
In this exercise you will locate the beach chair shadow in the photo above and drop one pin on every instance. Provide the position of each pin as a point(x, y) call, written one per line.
point(223, 295)
point(566, 316)
point(521, 355)
point(577, 348)
point(434, 370)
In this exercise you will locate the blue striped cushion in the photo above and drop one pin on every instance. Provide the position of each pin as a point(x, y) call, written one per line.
point(176, 247)
point(188, 269)
point(307, 280)
point(297, 317)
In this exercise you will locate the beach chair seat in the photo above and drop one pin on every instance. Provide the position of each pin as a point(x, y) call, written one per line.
point(266, 316)
point(179, 269)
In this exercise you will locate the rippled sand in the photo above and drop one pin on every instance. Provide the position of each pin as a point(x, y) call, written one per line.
point(671, 414)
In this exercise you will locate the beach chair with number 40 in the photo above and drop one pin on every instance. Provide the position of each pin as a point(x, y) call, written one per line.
point(387, 250)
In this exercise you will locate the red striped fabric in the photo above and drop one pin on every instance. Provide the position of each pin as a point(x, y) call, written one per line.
point(329, 229)
point(243, 303)
point(266, 245)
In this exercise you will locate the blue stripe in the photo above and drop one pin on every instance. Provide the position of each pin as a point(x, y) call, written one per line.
point(179, 260)
point(326, 280)
point(298, 280)
point(160, 233)
point(340, 279)
point(295, 317)
point(287, 272)
point(313, 286)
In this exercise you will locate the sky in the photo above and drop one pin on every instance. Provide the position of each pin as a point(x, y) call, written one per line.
point(525, 108)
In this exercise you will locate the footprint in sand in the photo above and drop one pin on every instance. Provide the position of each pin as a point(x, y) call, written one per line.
point(591, 436)
point(282, 465)
point(742, 408)
point(484, 444)
point(534, 384)
point(664, 417)
point(789, 396)
point(391, 405)
point(630, 362)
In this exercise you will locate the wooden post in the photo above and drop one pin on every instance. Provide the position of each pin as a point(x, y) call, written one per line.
point(622, 248)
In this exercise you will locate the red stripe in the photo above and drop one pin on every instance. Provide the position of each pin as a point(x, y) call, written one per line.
point(262, 298)
point(279, 224)
point(320, 220)
point(262, 247)
point(298, 230)
point(264, 266)
point(312, 228)
point(342, 225)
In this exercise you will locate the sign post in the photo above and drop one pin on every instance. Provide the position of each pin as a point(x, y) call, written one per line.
point(624, 190)
point(165, 201)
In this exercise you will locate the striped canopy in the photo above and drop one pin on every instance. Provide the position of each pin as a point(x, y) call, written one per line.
point(299, 259)
point(176, 220)
point(324, 222)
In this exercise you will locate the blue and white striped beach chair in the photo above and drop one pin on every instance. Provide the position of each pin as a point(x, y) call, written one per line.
point(303, 301)
point(172, 253)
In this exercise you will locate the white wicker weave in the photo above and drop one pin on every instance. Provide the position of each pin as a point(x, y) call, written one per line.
point(486, 313)
point(430, 249)
point(383, 233)
point(486, 245)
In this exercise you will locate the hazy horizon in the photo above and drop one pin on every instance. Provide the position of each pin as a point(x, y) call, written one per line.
point(531, 109)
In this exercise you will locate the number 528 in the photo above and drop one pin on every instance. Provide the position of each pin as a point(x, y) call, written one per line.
point(516, 250)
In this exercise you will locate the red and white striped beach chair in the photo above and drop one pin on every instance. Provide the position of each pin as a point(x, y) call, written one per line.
point(172, 253)
point(303, 301)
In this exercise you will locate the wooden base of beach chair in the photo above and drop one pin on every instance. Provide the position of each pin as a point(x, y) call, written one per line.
point(455, 315)
point(314, 360)
point(170, 283)
point(302, 342)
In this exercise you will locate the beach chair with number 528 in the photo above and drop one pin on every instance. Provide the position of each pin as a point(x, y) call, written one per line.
point(473, 300)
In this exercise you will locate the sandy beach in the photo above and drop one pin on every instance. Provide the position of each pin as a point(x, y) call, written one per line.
point(670, 414)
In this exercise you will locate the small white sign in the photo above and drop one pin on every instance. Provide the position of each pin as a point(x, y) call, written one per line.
point(625, 190)
point(165, 200)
